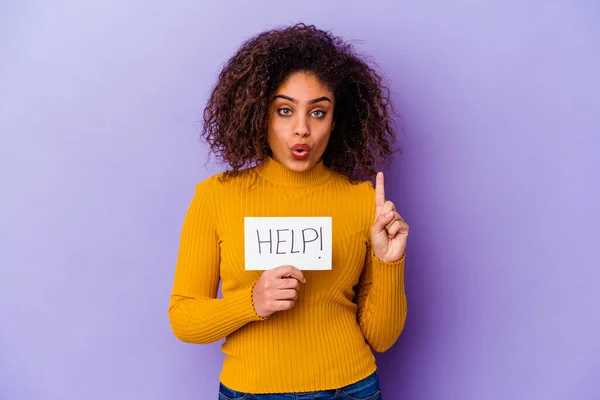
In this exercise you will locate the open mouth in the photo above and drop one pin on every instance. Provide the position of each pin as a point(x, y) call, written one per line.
point(300, 151)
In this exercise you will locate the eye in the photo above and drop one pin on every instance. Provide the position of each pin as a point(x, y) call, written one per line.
point(318, 114)
point(284, 111)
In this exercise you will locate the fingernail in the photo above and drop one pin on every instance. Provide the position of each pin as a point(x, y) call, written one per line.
point(390, 215)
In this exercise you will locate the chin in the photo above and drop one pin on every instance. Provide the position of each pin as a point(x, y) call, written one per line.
point(300, 165)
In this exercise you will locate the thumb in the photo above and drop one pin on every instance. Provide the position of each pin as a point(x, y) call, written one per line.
point(290, 271)
point(381, 221)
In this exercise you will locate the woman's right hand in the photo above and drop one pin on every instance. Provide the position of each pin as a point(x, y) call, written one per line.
point(277, 290)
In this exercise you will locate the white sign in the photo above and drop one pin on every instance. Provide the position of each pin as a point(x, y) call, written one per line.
point(303, 242)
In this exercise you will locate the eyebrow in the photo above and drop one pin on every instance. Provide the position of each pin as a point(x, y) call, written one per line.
point(318, 99)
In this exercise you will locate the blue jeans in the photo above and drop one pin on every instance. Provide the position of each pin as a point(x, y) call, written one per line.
point(366, 389)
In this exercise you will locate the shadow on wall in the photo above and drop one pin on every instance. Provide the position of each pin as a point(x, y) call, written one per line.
point(401, 367)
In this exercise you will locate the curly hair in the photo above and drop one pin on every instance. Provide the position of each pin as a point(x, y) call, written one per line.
point(236, 116)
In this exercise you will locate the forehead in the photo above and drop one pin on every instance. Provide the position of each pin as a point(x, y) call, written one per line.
point(304, 86)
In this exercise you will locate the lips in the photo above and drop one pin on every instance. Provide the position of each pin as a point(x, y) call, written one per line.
point(300, 151)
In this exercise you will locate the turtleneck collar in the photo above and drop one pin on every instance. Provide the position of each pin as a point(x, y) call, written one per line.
point(279, 174)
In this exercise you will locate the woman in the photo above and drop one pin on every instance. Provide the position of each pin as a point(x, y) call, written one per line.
point(298, 116)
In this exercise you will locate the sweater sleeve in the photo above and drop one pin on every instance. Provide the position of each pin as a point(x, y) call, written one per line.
point(195, 312)
point(381, 301)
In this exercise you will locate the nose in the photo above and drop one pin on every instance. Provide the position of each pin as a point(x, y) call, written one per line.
point(302, 127)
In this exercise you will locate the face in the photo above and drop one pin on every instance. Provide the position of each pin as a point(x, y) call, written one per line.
point(300, 121)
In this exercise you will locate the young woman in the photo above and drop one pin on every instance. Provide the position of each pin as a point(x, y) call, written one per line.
point(299, 117)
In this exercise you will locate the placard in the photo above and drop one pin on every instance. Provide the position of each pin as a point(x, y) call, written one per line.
point(303, 242)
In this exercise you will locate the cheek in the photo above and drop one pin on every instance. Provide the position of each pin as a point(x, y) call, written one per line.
point(322, 132)
point(277, 133)
point(324, 139)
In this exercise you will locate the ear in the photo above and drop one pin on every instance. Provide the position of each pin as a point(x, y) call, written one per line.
point(332, 126)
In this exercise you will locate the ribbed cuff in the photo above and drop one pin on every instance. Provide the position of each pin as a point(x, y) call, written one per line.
point(240, 310)
point(377, 261)
point(258, 317)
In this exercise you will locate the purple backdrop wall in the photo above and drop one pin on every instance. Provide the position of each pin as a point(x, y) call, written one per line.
point(499, 181)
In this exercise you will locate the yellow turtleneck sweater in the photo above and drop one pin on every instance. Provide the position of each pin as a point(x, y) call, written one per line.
point(325, 341)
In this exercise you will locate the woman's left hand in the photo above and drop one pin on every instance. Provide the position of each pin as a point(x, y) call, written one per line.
point(389, 232)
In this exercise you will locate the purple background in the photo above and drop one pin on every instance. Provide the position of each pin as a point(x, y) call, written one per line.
point(99, 110)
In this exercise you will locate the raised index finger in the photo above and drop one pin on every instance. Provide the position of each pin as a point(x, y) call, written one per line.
point(379, 192)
